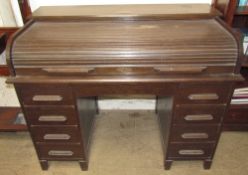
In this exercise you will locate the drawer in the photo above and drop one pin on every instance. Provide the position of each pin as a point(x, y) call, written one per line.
point(187, 114)
point(194, 133)
point(191, 150)
point(204, 93)
point(56, 134)
point(60, 151)
point(51, 115)
point(52, 94)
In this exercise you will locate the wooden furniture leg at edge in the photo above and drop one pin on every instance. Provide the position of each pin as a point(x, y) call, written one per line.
point(44, 164)
point(207, 164)
point(83, 165)
point(167, 164)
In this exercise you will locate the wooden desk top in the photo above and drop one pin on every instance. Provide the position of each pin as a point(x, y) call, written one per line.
point(134, 11)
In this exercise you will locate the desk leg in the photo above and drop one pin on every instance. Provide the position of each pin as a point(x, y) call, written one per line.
point(83, 165)
point(44, 164)
point(167, 164)
point(207, 164)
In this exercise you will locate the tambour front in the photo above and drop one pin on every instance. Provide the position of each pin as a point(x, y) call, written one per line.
point(60, 65)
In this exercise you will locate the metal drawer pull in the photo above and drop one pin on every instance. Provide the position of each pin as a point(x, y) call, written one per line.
point(194, 136)
point(52, 118)
point(68, 70)
point(60, 153)
point(57, 137)
point(182, 69)
point(198, 117)
point(210, 96)
point(47, 98)
point(191, 152)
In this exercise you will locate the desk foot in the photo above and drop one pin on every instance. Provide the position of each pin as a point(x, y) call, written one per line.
point(167, 164)
point(207, 164)
point(83, 165)
point(44, 164)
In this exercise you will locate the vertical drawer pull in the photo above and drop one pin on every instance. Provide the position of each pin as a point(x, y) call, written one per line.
point(52, 118)
point(60, 153)
point(57, 137)
point(47, 98)
point(210, 96)
point(191, 152)
point(200, 117)
point(194, 136)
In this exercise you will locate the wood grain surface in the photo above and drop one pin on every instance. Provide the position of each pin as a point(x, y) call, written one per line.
point(113, 44)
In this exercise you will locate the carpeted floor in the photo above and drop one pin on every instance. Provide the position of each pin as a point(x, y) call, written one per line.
point(124, 142)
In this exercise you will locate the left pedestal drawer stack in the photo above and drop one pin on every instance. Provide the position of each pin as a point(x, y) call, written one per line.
point(56, 121)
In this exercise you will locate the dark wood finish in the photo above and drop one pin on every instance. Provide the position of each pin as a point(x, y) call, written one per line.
point(196, 151)
point(188, 63)
point(228, 8)
point(60, 151)
point(7, 119)
point(194, 133)
point(8, 30)
point(51, 115)
point(55, 134)
point(189, 114)
point(25, 9)
point(44, 164)
point(3, 42)
point(46, 95)
point(4, 70)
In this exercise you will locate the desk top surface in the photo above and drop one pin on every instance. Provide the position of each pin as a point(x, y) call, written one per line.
point(101, 11)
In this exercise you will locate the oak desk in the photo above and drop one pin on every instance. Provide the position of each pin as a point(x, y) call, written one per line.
point(182, 54)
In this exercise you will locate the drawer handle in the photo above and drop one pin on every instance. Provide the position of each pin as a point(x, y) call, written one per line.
point(191, 152)
point(68, 70)
point(47, 98)
point(194, 136)
point(210, 96)
point(52, 118)
point(200, 117)
point(184, 69)
point(56, 137)
point(60, 153)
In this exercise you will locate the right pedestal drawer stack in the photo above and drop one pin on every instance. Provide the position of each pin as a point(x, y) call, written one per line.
point(196, 122)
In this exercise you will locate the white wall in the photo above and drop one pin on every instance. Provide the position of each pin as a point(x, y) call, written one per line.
point(36, 3)
point(115, 103)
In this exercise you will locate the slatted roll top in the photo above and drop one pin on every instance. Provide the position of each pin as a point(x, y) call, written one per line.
point(203, 45)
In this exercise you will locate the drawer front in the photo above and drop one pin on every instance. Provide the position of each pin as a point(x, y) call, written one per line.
point(60, 151)
point(56, 134)
point(187, 114)
point(204, 93)
point(191, 150)
point(194, 133)
point(45, 94)
point(56, 115)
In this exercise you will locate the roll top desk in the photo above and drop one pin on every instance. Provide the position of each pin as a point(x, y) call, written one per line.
point(182, 54)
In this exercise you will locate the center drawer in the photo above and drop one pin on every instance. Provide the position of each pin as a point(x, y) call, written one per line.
point(55, 134)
